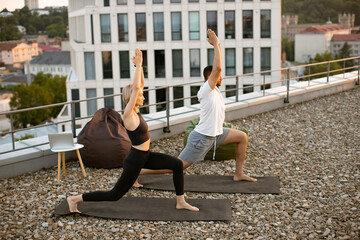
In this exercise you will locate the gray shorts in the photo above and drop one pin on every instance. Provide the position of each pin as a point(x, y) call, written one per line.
point(198, 145)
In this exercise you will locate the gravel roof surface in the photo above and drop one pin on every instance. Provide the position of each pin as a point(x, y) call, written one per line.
point(314, 147)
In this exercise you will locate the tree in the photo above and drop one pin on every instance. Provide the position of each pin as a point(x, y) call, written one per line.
point(287, 46)
point(345, 52)
point(321, 68)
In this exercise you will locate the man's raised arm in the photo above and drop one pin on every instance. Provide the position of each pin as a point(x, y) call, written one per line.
point(217, 63)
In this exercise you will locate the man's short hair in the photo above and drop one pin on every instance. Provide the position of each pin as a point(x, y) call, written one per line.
point(207, 72)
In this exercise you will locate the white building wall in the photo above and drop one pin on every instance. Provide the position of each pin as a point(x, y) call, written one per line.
point(81, 41)
point(308, 45)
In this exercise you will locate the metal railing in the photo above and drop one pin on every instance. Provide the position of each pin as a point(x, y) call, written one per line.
point(284, 76)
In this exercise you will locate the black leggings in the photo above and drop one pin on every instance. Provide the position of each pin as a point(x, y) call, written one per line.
point(133, 163)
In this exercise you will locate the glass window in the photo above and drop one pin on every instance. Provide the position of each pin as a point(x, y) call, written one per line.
point(248, 88)
point(145, 65)
point(230, 62)
point(211, 18)
point(124, 64)
point(211, 0)
point(176, 26)
point(159, 63)
point(175, 1)
point(247, 24)
point(193, 91)
point(229, 24)
point(140, 27)
point(123, 27)
point(76, 96)
point(107, 64)
point(265, 86)
point(266, 59)
point(177, 63)
point(248, 60)
point(139, 1)
point(92, 29)
point(144, 109)
point(89, 65)
point(229, 91)
point(210, 58)
point(121, 2)
point(178, 93)
point(105, 28)
point(229, 0)
point(92, 104)
point(106, 3)
point(109, 101)
point(157, 1)
point(194, 25)
point(194, 62)
point(160, 97)
point(158, 26)
point(265, 23)
point(193, 1)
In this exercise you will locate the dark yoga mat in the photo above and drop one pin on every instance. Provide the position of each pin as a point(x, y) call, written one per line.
point(153, 209)
point(212, 183)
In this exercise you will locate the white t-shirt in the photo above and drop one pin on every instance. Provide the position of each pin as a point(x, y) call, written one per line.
point(212, 111)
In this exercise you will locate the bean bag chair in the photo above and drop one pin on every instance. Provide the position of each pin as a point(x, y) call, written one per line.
point(105, 140)
point(225, 152)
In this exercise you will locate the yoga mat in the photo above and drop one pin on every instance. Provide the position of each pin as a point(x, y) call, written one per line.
point(153, 209)
point(212, 183)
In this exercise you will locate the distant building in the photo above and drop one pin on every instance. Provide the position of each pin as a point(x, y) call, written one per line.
point(6, 14)
point(22, 29)
point(290, 26)
point(315, 39)
point(31, 4)
point(13, 79)
point(338, 41)
point(47, 10)
point(46, 48)
point(346, 20)
point(55, 63)
point(17, 52)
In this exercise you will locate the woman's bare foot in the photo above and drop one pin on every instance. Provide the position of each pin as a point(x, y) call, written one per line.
point(244, 177)
point(137, 184)
point(72, 204)
point(185, 205)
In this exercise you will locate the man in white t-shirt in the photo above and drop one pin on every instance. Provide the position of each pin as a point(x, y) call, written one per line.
point(209, 133)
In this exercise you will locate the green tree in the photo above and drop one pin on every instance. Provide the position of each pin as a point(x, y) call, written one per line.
point(287, 46)
point(320, 70)
point(56, 30)
point(345, 52)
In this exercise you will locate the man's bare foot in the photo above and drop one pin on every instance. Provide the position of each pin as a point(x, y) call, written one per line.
point(72, 204)
point(185, 205)
point(137, 184)
point(244, 177)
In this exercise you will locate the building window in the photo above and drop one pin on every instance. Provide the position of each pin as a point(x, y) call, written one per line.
point(194, 25)
point(210, 56)
point(265, 23)
point(266, 59)
point(265, 86)
point(124, 64)
point(158, 26)
point(178, 93)
point(247, 24)
point(157, 1)
point(211, 19)
point(89, 59)
point(193, 92)
point(145, 65)
point(92, 29)
point(144, 109)
point(177, 63)
point(123, 27)
point(248, 88)
point(176, 26)
point(140, 27)
point(121, 2)
point(105, 28)
point(76, 96)
point(230, 62)
point(190, 1)
point(109, 101)
point(107, 65)
point(92, 104)
point(248, 60)
point(159, 63)
point(230, 90)
point(160, 97)
point(194, 62)
point(229, 24)
point(175, 1)
point(211, 0)
point(139, 1)
point(106, 3)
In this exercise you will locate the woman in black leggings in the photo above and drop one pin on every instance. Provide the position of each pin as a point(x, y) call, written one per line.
point(139, 155)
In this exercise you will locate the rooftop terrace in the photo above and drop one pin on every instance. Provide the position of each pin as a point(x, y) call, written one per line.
point(312, 146)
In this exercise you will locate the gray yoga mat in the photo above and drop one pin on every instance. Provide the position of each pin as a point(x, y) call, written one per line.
point(212, 183)
point(153, 209)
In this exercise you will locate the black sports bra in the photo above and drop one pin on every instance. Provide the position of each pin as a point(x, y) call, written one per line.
point(140, 134)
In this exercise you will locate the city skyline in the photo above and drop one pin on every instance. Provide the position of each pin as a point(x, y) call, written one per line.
point(11, 5)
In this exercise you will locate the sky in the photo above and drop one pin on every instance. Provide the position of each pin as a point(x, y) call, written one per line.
point(11, 5)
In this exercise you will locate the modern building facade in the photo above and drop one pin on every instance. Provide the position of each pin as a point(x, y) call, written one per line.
point(353, 40)
point(172, 36)
point(31, 4)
